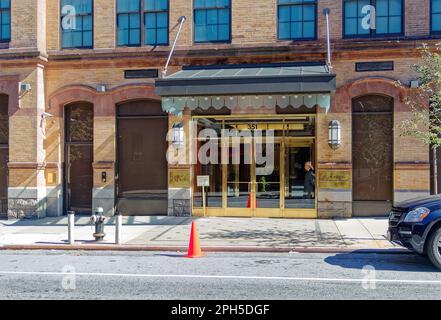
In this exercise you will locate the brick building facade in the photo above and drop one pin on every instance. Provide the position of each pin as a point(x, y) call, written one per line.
point(37, 170)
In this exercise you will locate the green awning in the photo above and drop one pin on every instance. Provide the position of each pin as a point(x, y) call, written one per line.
point(235, 86)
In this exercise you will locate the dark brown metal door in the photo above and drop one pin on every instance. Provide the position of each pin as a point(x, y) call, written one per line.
point(372, 155)
point(79, 157)
point(142, 184)
point(4, 155)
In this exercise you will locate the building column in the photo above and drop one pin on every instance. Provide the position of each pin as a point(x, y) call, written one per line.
point(180, 169)
point(27, 187)
point(104, 146)
point(411, 162)
point(334, 168)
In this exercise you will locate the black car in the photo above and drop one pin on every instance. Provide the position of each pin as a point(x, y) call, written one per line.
point(416, 224)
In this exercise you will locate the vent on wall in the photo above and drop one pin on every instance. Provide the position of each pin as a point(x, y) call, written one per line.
point(374, 66)
point(141, 74)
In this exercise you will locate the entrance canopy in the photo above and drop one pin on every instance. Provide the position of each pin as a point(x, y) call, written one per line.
point(247, 86)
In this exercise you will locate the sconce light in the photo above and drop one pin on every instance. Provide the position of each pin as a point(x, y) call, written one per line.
point(334, 139)
point(414, 84)
point(178, 135)
point(101, 88)
point(24, 88)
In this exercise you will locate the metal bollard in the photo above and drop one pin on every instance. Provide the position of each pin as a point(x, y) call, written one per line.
point(118, 228)
point(71, 226)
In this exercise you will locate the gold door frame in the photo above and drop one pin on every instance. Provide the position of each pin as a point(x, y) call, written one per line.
point(284, 142)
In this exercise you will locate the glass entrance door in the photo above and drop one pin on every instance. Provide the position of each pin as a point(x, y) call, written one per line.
point(260, 177)
point(240, 191)
point(268, 183)
point(300, 182)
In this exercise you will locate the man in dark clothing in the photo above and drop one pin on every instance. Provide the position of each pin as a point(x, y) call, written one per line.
point(309, 183)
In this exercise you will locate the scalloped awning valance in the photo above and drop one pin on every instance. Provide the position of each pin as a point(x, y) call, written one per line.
point(175, 105)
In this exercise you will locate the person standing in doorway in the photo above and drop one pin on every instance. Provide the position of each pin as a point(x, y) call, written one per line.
point(309, 183)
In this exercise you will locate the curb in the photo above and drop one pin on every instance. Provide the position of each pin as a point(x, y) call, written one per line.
point(219, 249)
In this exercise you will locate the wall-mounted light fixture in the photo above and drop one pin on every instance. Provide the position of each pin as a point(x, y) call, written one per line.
point(24, 88)
point(101, 88)
point(178, 135)
point(334, 139)
point(44, 116)
point(414, 84)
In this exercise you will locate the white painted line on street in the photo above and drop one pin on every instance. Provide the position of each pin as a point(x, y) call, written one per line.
point(140, 275)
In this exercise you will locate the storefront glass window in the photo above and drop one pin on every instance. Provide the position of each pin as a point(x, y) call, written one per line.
point(299, 177)
point(261, 164)
point(239, 184)
point(268, 181)
point(209, 162)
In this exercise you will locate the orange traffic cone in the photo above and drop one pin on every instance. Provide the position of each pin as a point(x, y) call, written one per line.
point(249, 201)
point(194, 247)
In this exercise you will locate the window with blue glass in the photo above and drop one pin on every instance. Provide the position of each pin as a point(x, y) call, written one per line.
point(5, 20)
point(388, 18)
point(297, 19)
point(353, 18)
point(212, 20)
point(77, 23)
point(128, 20)
point(436, 16)
point(156, 22)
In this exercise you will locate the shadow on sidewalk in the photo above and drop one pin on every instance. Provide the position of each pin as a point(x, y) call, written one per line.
point(278, 237)
point(407, 262)
point(83, 220)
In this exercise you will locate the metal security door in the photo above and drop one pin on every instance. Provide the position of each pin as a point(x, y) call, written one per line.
point(142, 178)
point(372, 155)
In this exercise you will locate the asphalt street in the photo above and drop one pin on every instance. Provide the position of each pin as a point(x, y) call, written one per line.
point(162, 275)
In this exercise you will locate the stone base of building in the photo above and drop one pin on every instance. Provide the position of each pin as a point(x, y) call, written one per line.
point(25, 209)
point(179, 202)
point(329, 210)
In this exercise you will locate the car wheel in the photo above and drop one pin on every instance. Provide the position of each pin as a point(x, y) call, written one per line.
point(434, 248)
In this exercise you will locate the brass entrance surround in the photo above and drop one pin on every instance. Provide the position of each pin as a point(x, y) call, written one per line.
point(249, 203)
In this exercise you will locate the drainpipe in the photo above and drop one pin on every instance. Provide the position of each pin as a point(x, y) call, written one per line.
point(328, 38)
point(181, 23)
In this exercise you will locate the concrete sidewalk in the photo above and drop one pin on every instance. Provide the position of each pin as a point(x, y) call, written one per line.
point(173, 232)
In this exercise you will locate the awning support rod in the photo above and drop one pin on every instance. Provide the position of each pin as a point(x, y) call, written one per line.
point(328, 38)
point(181, 23)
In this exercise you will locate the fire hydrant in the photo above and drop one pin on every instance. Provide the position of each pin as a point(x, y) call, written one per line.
point(98, 219)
